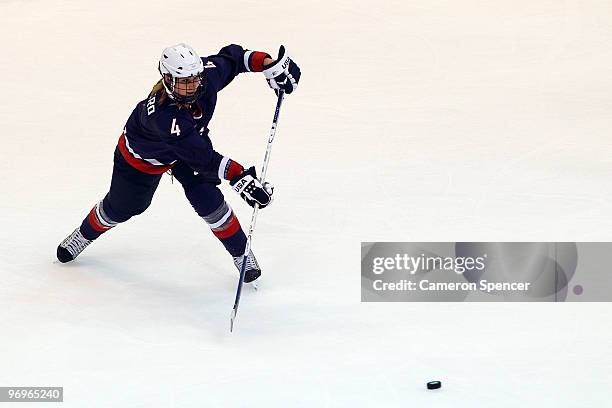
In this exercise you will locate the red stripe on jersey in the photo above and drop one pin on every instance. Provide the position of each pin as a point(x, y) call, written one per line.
point(95, 223)
point(139, 164)
point(256, 61)
point(233, 169)
point(229, 228)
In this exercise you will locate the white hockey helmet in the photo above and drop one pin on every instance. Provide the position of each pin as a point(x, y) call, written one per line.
point(181, 61)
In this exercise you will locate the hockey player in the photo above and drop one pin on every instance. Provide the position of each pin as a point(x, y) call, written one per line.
point(168, 132)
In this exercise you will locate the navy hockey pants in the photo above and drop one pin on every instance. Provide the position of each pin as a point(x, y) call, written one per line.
point(131, 193)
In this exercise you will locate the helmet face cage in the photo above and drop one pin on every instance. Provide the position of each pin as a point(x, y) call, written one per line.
point(170, 83)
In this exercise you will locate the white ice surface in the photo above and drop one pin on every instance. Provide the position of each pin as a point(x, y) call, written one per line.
point(429, 120)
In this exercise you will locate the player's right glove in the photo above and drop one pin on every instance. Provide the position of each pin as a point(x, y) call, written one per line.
point(251, 190)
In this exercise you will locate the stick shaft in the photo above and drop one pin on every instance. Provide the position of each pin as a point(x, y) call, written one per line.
point(262, 178)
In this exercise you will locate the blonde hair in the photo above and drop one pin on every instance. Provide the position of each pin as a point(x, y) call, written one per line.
point(159, 88)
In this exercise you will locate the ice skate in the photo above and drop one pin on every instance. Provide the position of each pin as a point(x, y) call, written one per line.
point(72, 246)
point(253, 271)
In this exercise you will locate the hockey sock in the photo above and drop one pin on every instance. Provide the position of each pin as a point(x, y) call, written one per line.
point(224, 224)
point(97, 221)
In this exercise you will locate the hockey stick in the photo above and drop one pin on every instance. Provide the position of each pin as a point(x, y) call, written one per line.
point(262, 177)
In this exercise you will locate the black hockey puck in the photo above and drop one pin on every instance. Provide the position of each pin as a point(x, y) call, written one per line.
point(434, 385)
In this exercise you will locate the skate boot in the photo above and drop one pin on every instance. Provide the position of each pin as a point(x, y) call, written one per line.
point(72, 246)
point(252, 271)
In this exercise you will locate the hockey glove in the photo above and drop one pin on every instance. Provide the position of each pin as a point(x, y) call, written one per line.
point(251, 190)
point(283, 74)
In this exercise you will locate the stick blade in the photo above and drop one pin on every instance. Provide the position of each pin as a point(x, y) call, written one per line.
point(232, 318)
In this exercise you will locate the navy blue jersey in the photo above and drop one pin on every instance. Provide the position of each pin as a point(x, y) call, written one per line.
point(156, 134)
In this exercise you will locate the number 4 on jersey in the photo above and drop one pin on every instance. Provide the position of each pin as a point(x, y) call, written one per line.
point(174, 129)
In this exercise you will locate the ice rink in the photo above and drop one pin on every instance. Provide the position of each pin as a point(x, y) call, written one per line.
point(428, 120)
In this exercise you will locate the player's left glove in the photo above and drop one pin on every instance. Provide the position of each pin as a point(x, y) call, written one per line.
point(282, 74)
point(251, 190)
